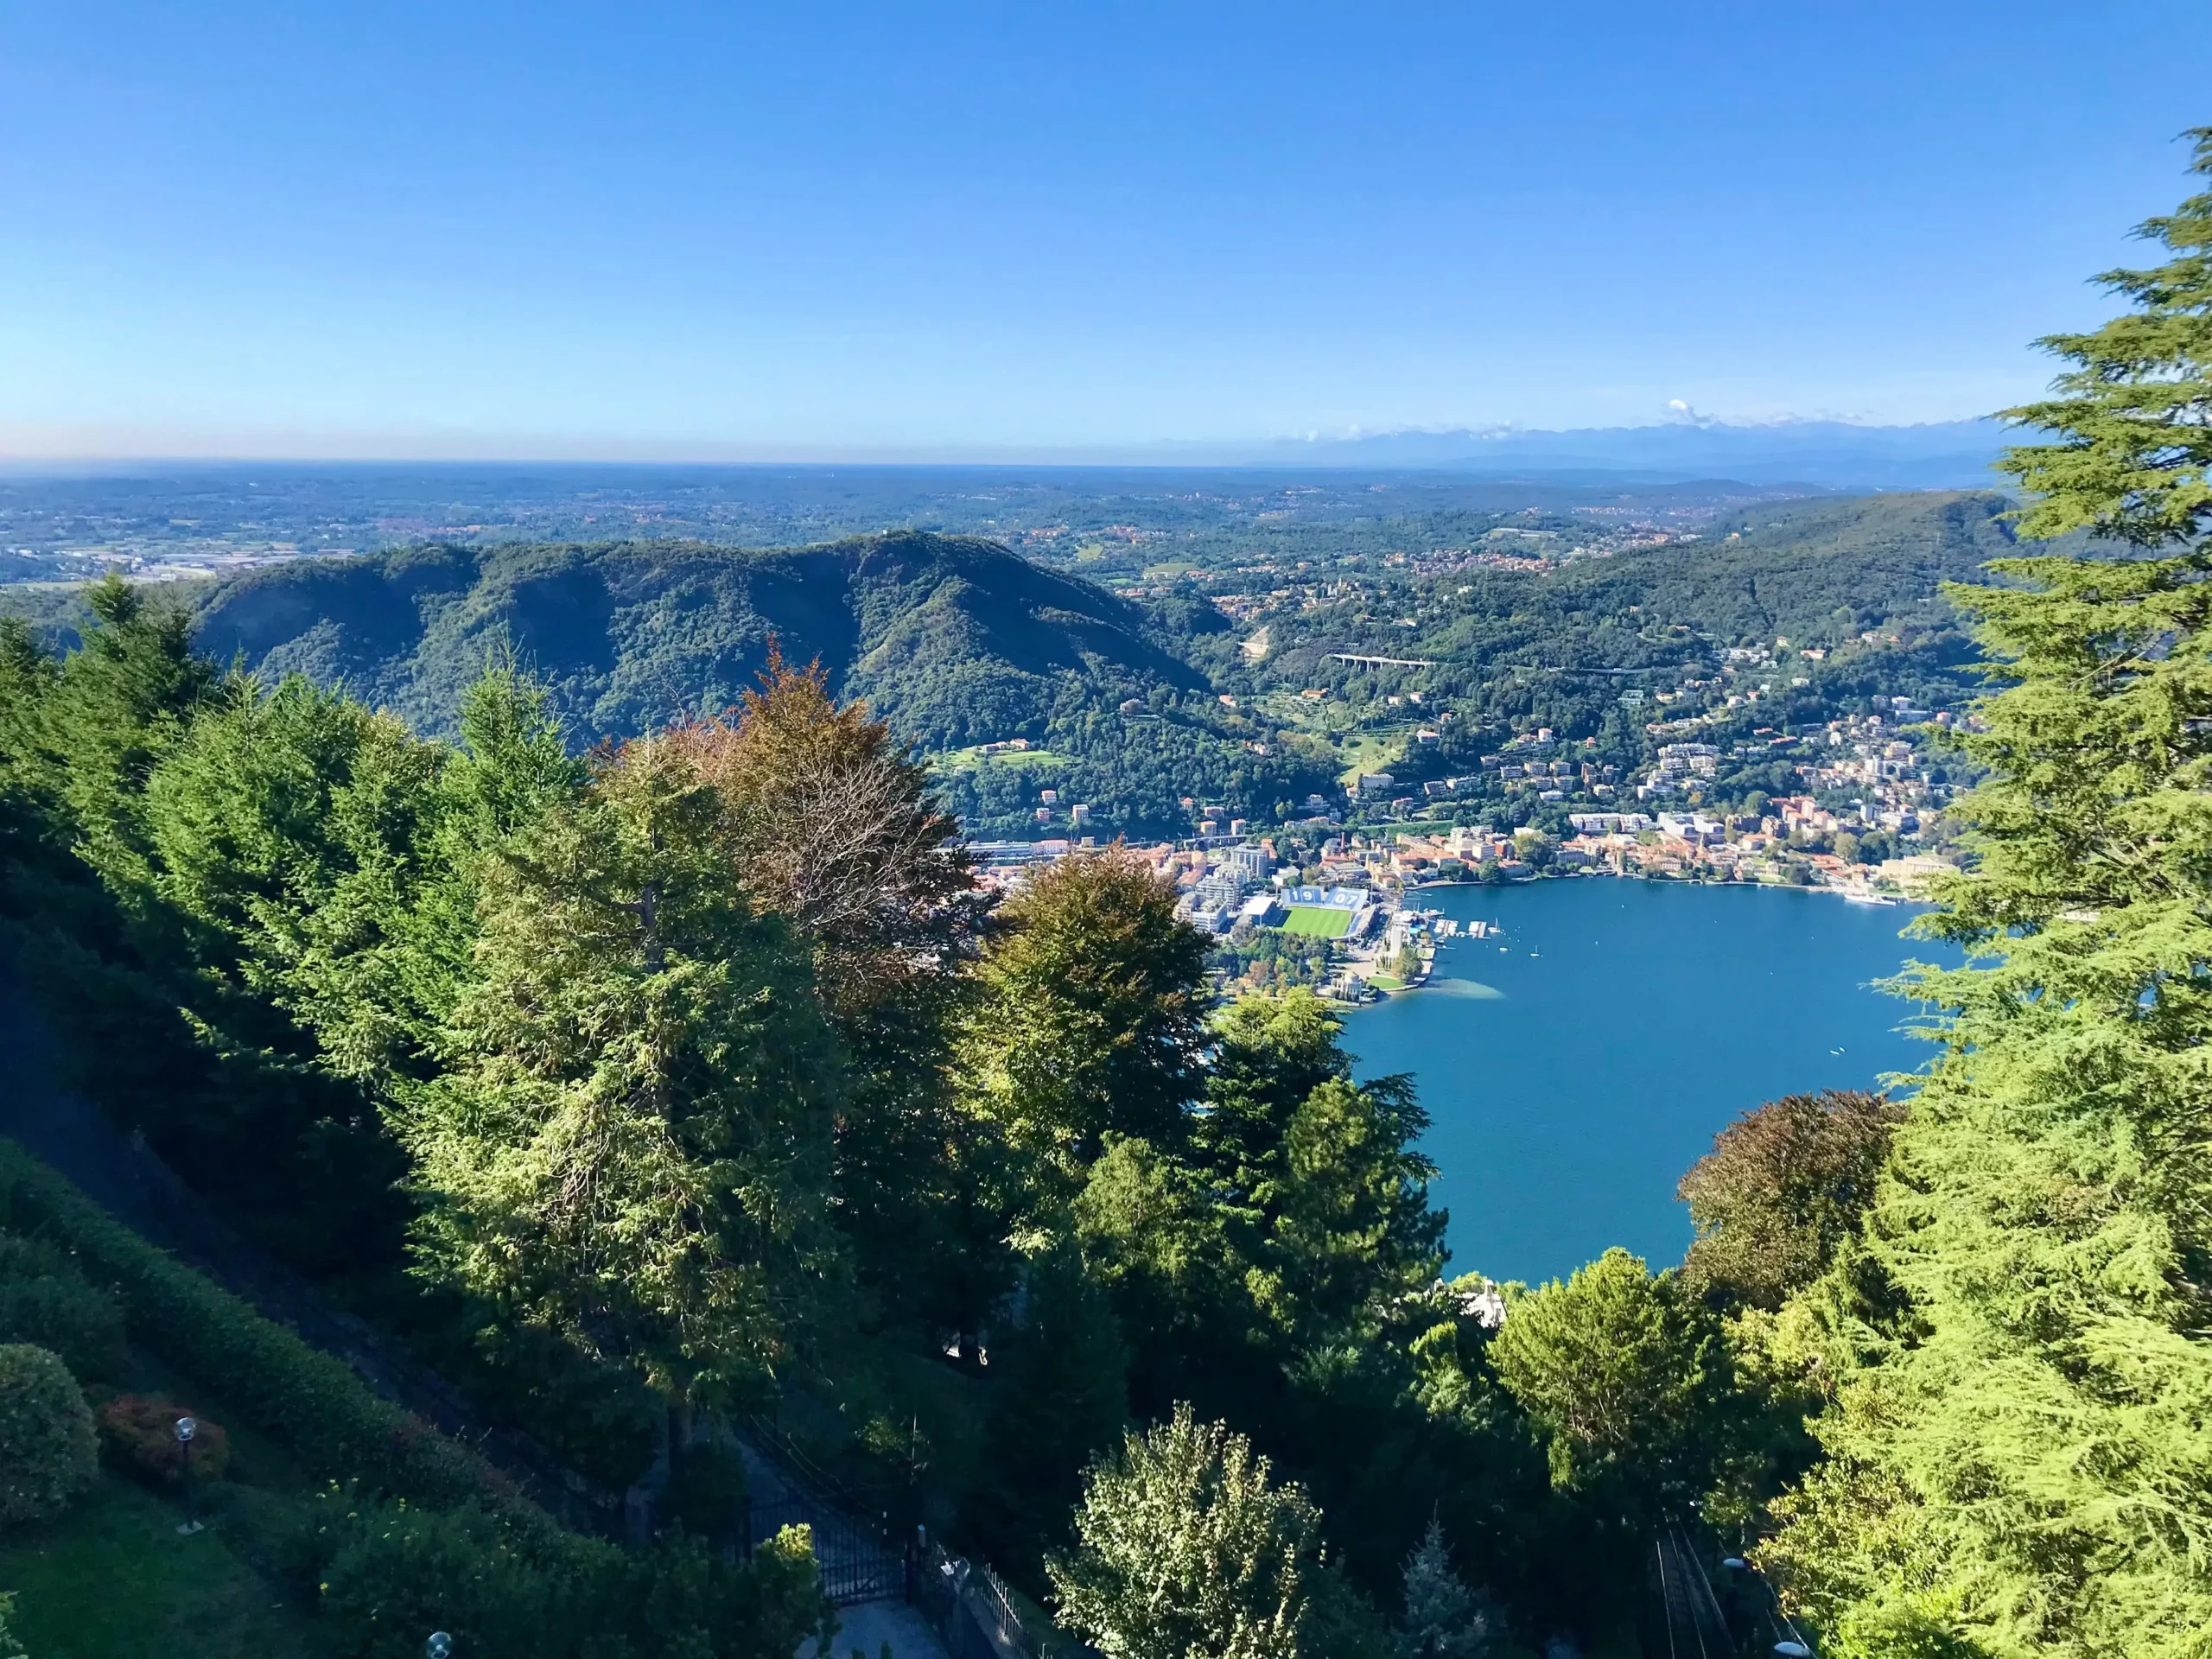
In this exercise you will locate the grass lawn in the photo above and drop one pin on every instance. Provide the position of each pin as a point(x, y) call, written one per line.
point(973, 758)
point(1316, 921)
point(111, 1580)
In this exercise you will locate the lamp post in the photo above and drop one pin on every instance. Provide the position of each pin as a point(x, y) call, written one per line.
point(186, 1428)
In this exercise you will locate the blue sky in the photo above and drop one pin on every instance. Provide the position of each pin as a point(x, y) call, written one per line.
point(823, 230)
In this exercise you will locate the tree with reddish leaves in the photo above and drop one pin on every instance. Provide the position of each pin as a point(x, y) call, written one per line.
point(1782, 1189)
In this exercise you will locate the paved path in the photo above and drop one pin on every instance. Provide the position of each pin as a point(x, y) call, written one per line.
point(869, 1627)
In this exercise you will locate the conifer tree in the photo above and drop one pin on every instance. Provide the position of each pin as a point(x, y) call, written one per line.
point(837, 828)
point(1351, 1227)
point(85, 736)
point(2019, 1464)
point(1444, 1618)
point(1061, 1371)
point(1270, 1053)
point(630, 1144)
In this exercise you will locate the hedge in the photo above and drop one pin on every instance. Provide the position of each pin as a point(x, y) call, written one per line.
point(484, 1558)
point(310, 1402)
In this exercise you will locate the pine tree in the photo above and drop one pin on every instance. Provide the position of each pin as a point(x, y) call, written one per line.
point(1270, 1053)
point(2020, 1460)
point(1351, 1230)
point(114, 709)
point(1444, 1618)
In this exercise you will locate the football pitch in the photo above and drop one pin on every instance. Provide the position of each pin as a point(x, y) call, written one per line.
point(1316, 921)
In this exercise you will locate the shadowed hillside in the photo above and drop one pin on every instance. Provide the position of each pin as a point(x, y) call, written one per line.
point(954, 639)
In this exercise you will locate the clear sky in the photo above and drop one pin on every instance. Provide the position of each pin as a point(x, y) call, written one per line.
point(820, 229)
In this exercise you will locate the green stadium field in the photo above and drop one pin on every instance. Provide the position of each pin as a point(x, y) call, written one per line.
point(1316, 921)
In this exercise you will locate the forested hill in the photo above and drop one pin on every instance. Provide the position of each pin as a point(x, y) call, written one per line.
point(1817, 569)
point(954, 639)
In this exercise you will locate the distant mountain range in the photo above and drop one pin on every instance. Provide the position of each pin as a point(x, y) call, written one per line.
point(1831, 454)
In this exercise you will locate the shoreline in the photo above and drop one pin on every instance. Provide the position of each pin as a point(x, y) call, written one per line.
point(1383, 993)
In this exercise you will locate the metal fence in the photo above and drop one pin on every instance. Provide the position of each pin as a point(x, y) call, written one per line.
point(858, 1562)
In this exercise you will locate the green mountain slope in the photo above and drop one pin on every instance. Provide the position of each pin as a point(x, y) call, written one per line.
point(954, 639)
point(1818, 570)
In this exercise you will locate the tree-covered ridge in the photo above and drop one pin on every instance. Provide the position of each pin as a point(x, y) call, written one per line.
point(959, 642)
point(953, 638)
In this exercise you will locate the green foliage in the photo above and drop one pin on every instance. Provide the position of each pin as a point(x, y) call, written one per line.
point(47, 1301)
point(1788, 568)
point(384, 1573)
point(1134, 771)
point(835, 831)
point(2018, 1452)
point(162, 1025)
point(706, 1490)
point(1783, 1189)
point(1277, 1267)
point(1270, 1053)
point(10, 1648)
point(423, 1524)
point(310, 1402)
point(88, 743)
point(1623, 1373)
point(1274, 959)
point(1092, 1015)
point(1444, 1619)
point(1187, 1548)
point(1900, 1630)
point(1152, 1240)
point(138, 1434)
point(49, 1455)
point(1063, 1371)
point(953, 638)
point(1351, 1228)
point(658, 1043)
point(632, 1144)
point(2133, 454)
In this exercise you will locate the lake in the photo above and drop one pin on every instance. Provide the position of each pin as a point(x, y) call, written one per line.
point(1572, 1076)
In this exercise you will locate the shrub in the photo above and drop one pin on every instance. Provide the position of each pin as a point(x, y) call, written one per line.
point(64, 1312)
point(310, 1401)
point(384, 1574)
point(544, 1593)
point(138, 1433)
point(48, 1451)
point(1186, 1545)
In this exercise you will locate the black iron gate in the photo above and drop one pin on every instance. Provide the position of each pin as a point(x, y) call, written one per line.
point(858, 1562)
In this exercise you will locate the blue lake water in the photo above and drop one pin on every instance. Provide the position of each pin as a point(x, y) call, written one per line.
point(1572, 1076)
